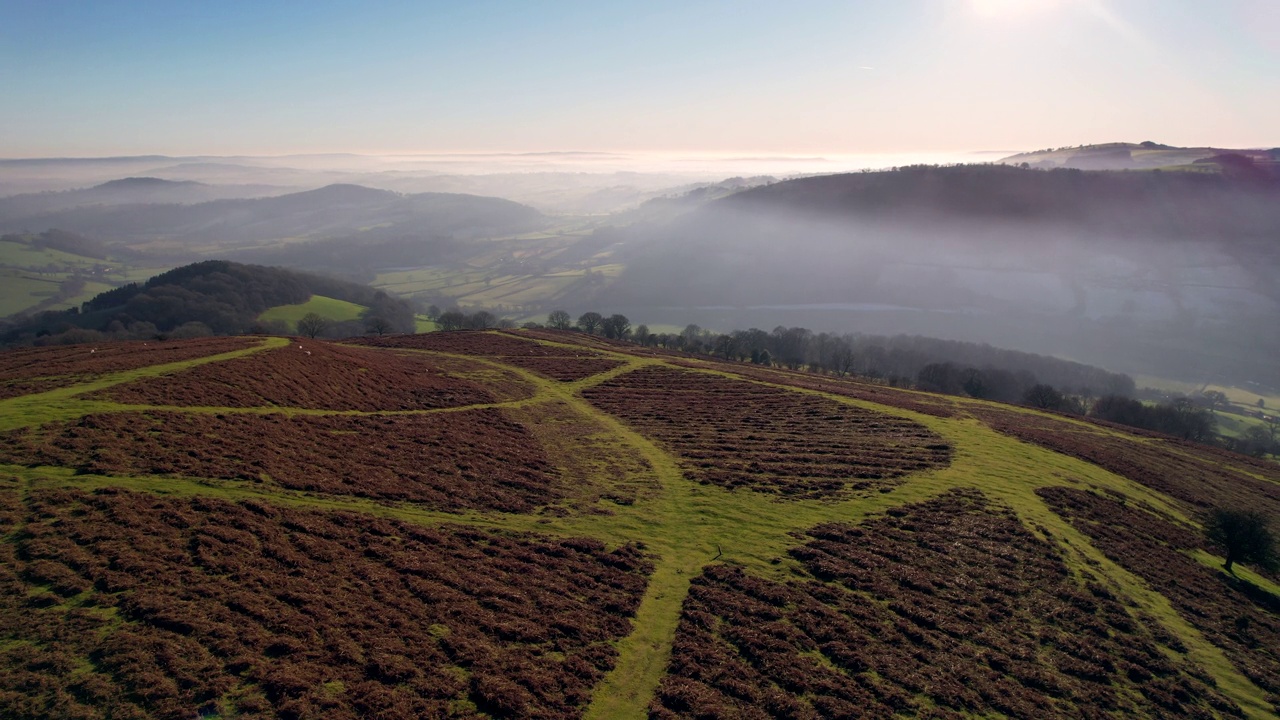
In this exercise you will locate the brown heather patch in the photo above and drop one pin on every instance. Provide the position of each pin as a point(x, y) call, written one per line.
point(737, 434)
point(254, 611)
point(557, 363)
point(928, 404)
point(308, 374)
point(31, 370)
point(474, 459)
point(470, 342)
point(943, 609)
point(1241, 619)
point(1196, 475)
point(564, 369)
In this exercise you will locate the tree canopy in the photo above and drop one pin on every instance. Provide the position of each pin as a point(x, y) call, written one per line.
point(1244, 536)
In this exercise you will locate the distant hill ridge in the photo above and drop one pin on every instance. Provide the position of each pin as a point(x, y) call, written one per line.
point(1132, 156)
point(142, 209)
point(1165, 203)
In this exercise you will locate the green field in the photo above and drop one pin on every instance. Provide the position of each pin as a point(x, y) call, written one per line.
point(421, 324)
point(325, 307)
point(18, 254)
point(31, 276)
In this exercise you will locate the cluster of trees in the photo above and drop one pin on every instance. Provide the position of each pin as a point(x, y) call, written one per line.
point(939, 365)
point(1258, 440)
point(945, 366)
point(225, 298)
point(1243, 536)
point(1180, 418)
point(614, 327)
point(456, 319)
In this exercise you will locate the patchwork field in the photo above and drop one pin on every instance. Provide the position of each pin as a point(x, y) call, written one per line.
point(548, 525)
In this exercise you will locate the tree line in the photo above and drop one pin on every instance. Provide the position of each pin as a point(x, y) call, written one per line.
point(945, 366)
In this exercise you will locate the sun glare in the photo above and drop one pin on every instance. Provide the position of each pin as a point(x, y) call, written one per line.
point(1012, 8)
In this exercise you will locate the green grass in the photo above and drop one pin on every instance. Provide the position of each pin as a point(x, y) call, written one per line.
point(20, 254)
point(325, 307)
point(20, 290)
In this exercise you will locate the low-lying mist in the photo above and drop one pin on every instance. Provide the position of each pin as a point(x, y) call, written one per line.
point(1139, 285)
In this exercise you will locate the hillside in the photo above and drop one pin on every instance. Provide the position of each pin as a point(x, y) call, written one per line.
point(1161, 273)
point(331, 211)
point(212, 297)
point(543, 524)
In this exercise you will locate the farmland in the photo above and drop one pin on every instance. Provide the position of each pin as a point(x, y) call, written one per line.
point(33, 277)
point(542, 524)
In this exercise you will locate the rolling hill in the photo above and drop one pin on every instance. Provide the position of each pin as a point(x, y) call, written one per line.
point(1166, 273)
point(331, 211)
point(543, 524)
point(129, 191)
point(211, 297)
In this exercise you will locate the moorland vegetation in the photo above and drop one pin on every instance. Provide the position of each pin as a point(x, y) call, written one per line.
point(553, 524)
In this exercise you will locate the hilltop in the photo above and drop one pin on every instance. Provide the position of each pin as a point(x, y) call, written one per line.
point(550, 524)
point(1141, 156)
point(211, 297)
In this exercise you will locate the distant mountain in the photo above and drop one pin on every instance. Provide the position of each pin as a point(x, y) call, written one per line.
point(1139, 203)
point(1131, 156)
point(332, 211)
point(128, 191)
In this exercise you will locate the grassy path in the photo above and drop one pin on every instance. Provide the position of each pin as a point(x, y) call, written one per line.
point(61, 403)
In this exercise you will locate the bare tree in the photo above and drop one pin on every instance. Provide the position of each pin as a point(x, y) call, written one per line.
point(1043, 396)
point(559, 320)
point(312, 325)
point(590, 322)
point(642, 335)
point(481, 320)
point(616, 327)
point(843, 358)
point(377, 325)
point(452, 320)
point(1244, 536)
point(727, 346)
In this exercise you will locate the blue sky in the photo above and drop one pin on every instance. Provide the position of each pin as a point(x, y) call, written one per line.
point(110, 77)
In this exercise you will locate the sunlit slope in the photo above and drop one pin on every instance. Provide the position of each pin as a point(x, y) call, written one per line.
point(325, 307)
point(552, 525)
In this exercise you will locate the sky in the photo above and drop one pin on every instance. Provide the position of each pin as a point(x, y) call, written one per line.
point(725, 78)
